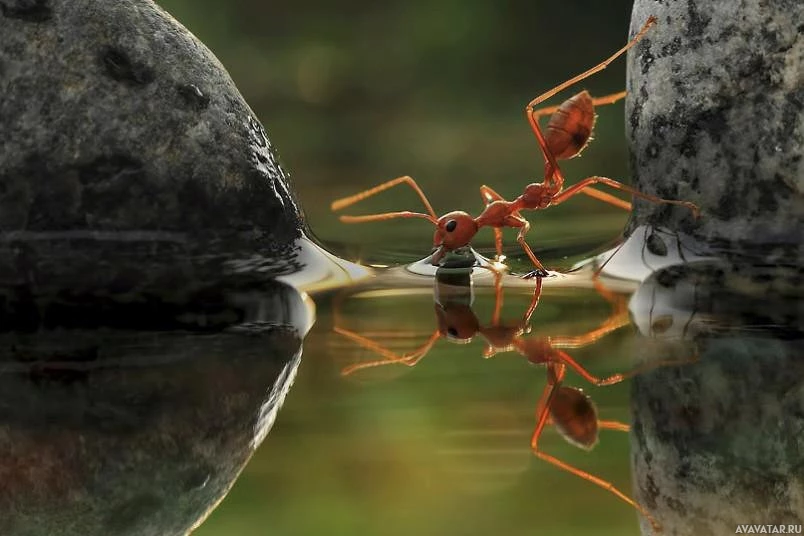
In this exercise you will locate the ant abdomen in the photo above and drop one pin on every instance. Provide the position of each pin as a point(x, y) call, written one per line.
point(575, 416)
point(570, 127)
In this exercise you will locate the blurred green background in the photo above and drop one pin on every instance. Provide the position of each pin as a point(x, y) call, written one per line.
point(353, 93)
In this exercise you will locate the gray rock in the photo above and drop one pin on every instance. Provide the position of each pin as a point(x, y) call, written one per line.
point(715, 115)
point(115, 118)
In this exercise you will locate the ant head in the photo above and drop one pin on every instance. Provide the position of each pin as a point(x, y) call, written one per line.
point(454, 230)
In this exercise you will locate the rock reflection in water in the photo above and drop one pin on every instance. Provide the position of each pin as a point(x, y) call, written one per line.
point(142, 430)
point(720, 442)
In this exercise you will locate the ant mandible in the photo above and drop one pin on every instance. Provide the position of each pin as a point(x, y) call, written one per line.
point(568, 132)
point(568, 409)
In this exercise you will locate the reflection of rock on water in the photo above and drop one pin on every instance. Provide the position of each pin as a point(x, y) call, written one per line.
point(720, 442)
point(120, 432)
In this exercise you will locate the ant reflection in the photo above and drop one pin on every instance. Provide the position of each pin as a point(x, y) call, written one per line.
point(568, 409)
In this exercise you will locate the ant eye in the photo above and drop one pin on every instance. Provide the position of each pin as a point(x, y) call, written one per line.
point(451, 225)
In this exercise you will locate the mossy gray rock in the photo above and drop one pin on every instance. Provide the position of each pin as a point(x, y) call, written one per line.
point(116, 118)
point(715, 115)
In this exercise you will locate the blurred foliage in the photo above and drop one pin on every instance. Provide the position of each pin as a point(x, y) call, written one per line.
point(355, 92)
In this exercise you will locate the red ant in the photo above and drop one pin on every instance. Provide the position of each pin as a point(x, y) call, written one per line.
point(571, 411)
point(568, 132)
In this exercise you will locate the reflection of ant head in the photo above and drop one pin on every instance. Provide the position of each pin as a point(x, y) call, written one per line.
point(456, 322)
point(454, 229)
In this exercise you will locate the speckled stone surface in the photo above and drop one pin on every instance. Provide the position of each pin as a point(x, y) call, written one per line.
point(715, 115)
point(115, 118)
point(719, 440)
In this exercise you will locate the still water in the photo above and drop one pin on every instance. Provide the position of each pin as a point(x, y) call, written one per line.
point(413, 411)
point(412, 399)
point(442, 447)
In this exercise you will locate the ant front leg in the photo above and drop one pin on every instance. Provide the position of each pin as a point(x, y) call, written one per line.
point(534, 303)
point(489, 196)
point(524, 227)
point(339, 204)
point(409, 359)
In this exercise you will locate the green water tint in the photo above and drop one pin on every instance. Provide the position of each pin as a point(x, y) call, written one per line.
point(442, 447)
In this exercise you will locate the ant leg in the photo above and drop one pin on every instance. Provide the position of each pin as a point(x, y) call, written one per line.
point(552, 166)
point(498, 299)
point(596, 69)
point(605, 484)
point(585, 374)
point(600, 268)
point(352, 199)
point(524, 226)
point(614, 323)
point(605, 100)
point(387, 216)
point(410, 359)
point(618, 318)
point(589, 181)
point(534, 302)
point(498, 245)
point(586, 184)
point(618, 300)
point(552, 173)
point(555, 375)
point(617, 426)
point(607, 198)
point(367, 343)
point(489, 196)
point(617, 378)
point(658, 363)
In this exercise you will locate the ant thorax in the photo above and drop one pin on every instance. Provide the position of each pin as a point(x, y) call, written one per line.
point(537, 195)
